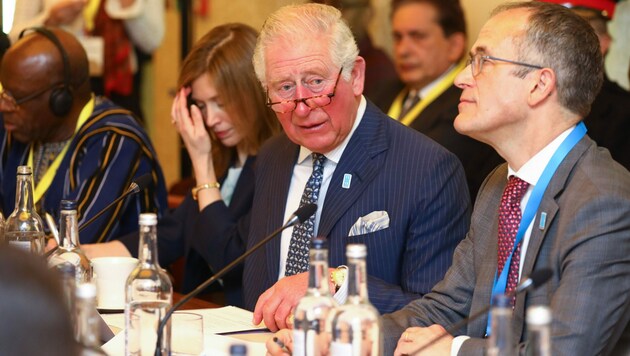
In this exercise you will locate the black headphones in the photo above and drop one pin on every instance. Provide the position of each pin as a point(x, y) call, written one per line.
point(61, 97)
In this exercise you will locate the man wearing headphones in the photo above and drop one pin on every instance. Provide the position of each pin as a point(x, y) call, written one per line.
point(80, 147)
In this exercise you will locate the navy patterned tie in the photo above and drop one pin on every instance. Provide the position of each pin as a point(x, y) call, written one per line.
point(298, 258)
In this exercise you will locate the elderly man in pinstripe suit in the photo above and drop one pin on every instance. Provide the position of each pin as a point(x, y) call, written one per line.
point(382, 184)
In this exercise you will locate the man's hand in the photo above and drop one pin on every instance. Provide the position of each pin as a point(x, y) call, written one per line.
point(50, 244)
point(275, 305)
point(414, 339)
point(274, 343)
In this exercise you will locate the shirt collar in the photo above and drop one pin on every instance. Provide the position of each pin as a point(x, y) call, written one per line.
point(335, 154)
point(534, 167)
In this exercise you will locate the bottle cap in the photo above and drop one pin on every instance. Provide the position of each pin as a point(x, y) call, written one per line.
point(238, 349)
point(356, 251)
point(147, 219)
point(538, 315)
point(501, 301)
point(24, 170)
point(68, 205)
point(86, 291)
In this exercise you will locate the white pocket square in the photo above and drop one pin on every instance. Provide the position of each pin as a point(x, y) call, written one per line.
point(372, 222)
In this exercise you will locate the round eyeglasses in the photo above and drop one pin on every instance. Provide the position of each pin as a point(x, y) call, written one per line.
point(10, 103)
point(312, 102)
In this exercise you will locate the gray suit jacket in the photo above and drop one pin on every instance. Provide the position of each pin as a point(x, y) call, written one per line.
point(585, 242)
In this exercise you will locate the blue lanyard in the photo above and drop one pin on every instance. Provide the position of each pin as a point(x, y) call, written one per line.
point(534, 202)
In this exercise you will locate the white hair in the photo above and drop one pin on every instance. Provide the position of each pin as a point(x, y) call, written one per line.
point(294, 23)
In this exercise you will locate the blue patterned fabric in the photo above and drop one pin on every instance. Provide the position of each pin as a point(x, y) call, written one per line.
point(105, 156)
point(298, 258)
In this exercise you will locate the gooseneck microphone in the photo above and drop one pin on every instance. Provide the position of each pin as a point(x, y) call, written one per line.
point(299, 216)
point(136, 186)
point(535, 280)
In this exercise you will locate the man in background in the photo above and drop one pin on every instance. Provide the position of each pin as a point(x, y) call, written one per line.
point(429, 44)
point(80, 147)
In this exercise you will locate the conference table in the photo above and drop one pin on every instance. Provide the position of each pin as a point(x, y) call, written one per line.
point(219, 324)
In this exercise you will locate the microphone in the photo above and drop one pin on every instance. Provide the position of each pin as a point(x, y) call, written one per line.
point(535, 280)
point(299, 216)
point(135, 187)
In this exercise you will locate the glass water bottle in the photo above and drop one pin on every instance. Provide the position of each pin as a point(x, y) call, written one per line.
point(70, 250)
point(148, 295)
point(87, 321)
point(356, 326)
point(538, 330)
point(309, 330)
point(24, 228)
point(500, 340)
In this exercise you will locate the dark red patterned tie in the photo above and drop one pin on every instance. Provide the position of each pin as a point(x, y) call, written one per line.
point(509, 221)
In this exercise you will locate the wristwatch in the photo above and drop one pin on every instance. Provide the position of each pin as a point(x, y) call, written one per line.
point(198, 188)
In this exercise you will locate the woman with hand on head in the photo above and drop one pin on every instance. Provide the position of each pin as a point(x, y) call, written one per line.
point(221, 115)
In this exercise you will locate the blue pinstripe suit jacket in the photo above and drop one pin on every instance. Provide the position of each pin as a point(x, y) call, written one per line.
point(395, 169)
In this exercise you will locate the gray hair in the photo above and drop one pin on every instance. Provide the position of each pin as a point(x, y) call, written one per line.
point(557, 38)
point(307, 22)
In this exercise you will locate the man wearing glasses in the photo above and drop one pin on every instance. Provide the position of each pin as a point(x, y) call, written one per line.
point(560, 203)
point(80, 147)
point(374, 181)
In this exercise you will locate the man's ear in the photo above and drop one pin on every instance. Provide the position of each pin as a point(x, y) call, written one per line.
point(543, 86)
point(358, 76)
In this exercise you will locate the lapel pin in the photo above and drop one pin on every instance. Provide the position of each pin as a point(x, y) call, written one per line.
point(543, 220)
point(347, 178)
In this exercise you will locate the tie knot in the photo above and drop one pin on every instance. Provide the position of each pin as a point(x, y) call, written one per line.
point(515, 189)
point(318, 161)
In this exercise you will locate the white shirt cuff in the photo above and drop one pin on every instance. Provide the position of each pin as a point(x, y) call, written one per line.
point(458, 341)
point(342, 294)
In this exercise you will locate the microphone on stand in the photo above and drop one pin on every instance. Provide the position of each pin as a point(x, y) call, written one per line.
point(535, 280)
point(299, 216)
point(135, 187)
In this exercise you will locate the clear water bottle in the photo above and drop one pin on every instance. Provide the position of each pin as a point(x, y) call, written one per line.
point(69, 252)
point(538, 330)
point(67, 275)
point(500, 341)
point(148, 295)
point(24, 228)
point(87, 321)
point(309, 330)
point(356, 326)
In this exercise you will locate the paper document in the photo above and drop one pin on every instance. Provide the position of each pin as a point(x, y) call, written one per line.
point(215, 321)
